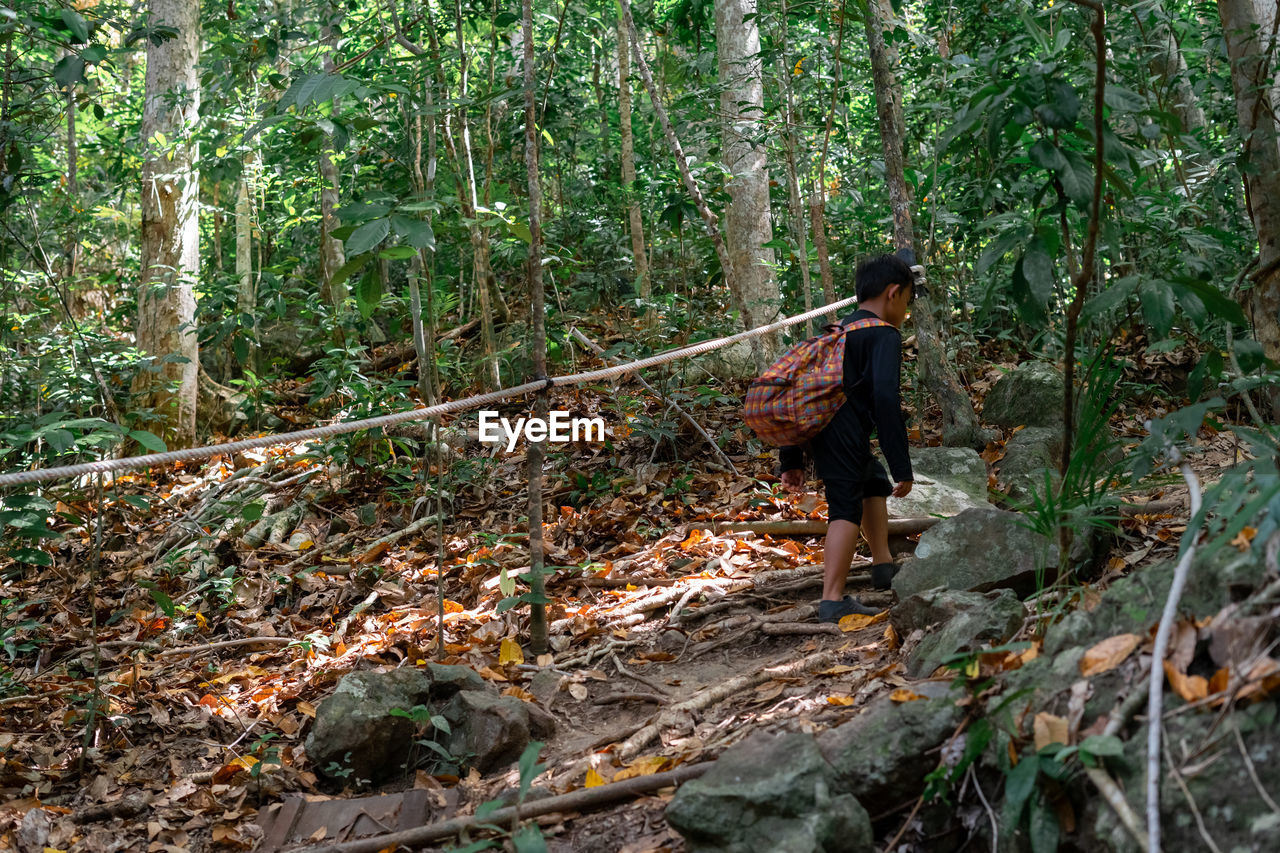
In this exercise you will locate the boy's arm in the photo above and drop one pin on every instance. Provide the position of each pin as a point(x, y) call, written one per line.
point(886, 404)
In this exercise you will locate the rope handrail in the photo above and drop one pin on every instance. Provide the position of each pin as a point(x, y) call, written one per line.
point(168, 457)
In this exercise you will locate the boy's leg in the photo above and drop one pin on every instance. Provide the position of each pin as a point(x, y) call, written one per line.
point(875, 526)
point(837, 557)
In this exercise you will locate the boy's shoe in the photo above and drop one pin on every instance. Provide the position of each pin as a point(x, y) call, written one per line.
point(882, 575)
point(832, 611)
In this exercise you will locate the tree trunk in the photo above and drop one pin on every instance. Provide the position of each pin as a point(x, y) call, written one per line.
point(960, 426)
point(170, 224)
point(247, 295)
point(1247, 47)
point(796, 208)
point(748, 224)
point(537, 338)
point(332, 256)
point(629, 164)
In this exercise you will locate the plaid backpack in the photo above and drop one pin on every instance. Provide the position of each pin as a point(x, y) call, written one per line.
point(799, 394)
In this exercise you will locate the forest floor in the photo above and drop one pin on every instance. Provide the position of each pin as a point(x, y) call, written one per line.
point(210, 676)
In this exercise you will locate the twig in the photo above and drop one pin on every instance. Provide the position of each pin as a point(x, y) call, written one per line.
point(1195, 810)
point(1156, 689)
point(226, 644)
point(1253, 771)
point(626, 673)
point(614, 698)
point(1115, 798)
point(995, 831)
point(688, 418)
point(580, 800)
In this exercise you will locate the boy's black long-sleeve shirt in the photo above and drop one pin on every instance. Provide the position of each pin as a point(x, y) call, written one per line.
point(872, 378)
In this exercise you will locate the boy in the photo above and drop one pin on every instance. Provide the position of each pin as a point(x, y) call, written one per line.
point(855, 483)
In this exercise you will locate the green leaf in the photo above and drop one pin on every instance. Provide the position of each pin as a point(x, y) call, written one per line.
point(350, 268)
point(416, 232)
point(1250, 355)
point(1214, 300)
point(33, 556)
point(505, 19)
point(137, 501)
point(1110, 298)
point(69, 71)
point(1029, 307)
point(439, 722)
point(1019, 784)
point(1062, 108)
point(506, 583)
point(1037, 266)
point(1044, 828)
point(519, 229)
point(94, 53)
point(367, 236)
point(528, 839)
point(78, 26)
point(997, 249)
point(369, 293)
point(529, 767)
point(397, 253)
point(1157, 306)
point(1077, 179)
point(251, 512)
point(1108, 746)
point(1047, 156)
point(148, 440)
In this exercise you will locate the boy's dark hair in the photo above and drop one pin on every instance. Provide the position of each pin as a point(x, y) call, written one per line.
point(874, 276)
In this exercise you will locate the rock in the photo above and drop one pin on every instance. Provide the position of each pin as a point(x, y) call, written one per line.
point(1027, 456)
point(488, 731)
point(1028, 395)
point(356, 738)
point(1235, 815)
point(948, 480)
point(969, 620)
point(882, 755)
point(979, 550)
point(770, 792)
point(448, 680)
point(731, 363)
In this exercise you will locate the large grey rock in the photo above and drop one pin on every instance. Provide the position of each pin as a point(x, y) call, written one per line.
point(1027, 456)
point(1028, 395)
point(488, 731)
point(356, 738)
point(882, 755)
point(773, 793)
point(980, 550)
point(948, 480)
point(731, 363)
point(967, 621)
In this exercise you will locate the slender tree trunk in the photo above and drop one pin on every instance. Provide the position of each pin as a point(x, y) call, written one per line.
point(748, 223)
point(629, 165)
point(170, 250)
point(796, 208)
point(1252, 69)
point(247, 294)
point(537, 337)
point(818, 194)
point(332, 256)
point(72, 246)
point(481, 271)
point(960, 424)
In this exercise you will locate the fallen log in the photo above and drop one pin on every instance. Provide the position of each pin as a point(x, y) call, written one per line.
point(576, 801)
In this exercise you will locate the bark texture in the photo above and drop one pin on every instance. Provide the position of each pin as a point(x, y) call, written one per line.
point(170, 225)
point(1252, 77)
point(960, 427)
point(332, 256)
point(629, 162)
point(748, 224)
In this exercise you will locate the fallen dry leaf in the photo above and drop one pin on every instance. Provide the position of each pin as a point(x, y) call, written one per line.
point(644, 766)
point(510, 652)
point(1189, 687)
point(904, 694)
point(858, 621)
point(1050, 729)
point(594, 779)
point(840, 699)
point(1108, 654)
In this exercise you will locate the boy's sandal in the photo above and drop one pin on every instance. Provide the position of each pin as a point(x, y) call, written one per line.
point(882, 575)
point(833, 611)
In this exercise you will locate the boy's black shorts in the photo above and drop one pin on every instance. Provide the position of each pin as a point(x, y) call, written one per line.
point(849, 473)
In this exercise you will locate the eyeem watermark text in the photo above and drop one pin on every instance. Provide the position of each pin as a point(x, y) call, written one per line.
point(560, 427)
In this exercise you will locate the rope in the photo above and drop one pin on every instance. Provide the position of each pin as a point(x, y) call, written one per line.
point(189, 454)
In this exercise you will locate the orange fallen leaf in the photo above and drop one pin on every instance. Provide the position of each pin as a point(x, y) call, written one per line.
point(1189, 687)
point(1108, 654)
point(1050, 729)
point(1244, 539)
point(891, 638)
point(903, 694)
point(840, 699)
point(594, 779)
point(858, 621)
point(839, 669)
point(1220, 680)
point(695, 536)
